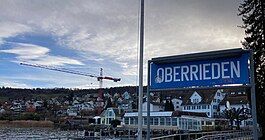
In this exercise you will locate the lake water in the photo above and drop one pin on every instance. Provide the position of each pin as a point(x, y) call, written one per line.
point(15, 133)
point(36, 133)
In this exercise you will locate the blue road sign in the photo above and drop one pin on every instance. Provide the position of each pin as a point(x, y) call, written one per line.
point(200, 73)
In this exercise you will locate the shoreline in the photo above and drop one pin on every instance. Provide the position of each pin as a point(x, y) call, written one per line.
point(26, 123)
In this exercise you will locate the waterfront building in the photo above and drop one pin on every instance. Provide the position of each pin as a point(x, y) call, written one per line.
point(167, 120)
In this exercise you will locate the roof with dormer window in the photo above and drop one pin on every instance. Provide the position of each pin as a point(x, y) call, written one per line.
point(235, 99)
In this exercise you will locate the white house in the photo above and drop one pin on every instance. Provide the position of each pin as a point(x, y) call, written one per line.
point(17, 106)
point(87, 106)
point(154, 106)
point(126, 95)
point(126, 105)
point(202, 101)
point(75, 102)
point(72, 111)
point(177, 103)
point(2, 110)
point(38, 104)
point(110, 114)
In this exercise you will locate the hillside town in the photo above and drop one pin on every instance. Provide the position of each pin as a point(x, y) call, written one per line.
point(190, 110)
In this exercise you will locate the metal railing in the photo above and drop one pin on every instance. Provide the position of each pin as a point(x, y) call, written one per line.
point(242, 135)
point(214, 135)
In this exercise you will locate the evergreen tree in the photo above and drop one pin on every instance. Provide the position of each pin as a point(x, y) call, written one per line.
point(108, 103)
point(169, 106)
point(252, 12)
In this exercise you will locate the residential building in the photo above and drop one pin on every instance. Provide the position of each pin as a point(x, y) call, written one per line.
point(177, 104)
point(202, 101)
point(154, 106)
point(111, 114)
point(126, 95)
point(126, 105)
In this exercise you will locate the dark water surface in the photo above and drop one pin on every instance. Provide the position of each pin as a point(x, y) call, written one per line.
point(15, 133)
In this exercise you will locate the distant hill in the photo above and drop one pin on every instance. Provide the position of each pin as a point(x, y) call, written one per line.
point(18, 93)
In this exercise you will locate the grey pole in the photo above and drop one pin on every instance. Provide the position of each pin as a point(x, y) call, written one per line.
point(140, 104)
point(148, 102)
point(253, 97)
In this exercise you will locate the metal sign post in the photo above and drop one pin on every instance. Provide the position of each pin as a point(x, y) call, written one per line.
point(207, 70)
point(140, 103)
point(253, 97)
point(148, 103)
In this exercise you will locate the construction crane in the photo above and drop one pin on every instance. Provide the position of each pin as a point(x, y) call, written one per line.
point(100, 78)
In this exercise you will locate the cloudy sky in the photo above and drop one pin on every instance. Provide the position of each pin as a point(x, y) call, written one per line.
point(86, 35)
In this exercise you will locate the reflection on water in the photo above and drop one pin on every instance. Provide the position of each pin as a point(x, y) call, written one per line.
point(15, 133)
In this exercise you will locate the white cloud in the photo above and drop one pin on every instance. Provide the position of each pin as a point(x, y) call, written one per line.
point(14, 84)
point(10, 29)
point(27, 51)
point(54, 60)
point(38, 54)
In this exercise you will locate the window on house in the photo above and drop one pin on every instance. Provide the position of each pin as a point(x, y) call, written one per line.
point(136, 121)
point(195, 100)
point(174, 121)
point(110, 113)
point(168, 121)
point(198, 107)
point(180, 123)
point(110, 119)
point(208, 106)
point(195, 124)
point(145, 121)
point(218, 94)
point(218, 100)
point(204, 107)
point(214, 100)
point(189, 124)
point(177, 106)
point(215, 107)
point(151, 121)
point(162, 121)
point(208, 113)
point(126, 120)
point(155, 121)
point(193, 107)
point(208, 123)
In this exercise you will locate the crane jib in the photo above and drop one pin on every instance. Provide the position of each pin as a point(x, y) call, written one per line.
point(99, 78)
